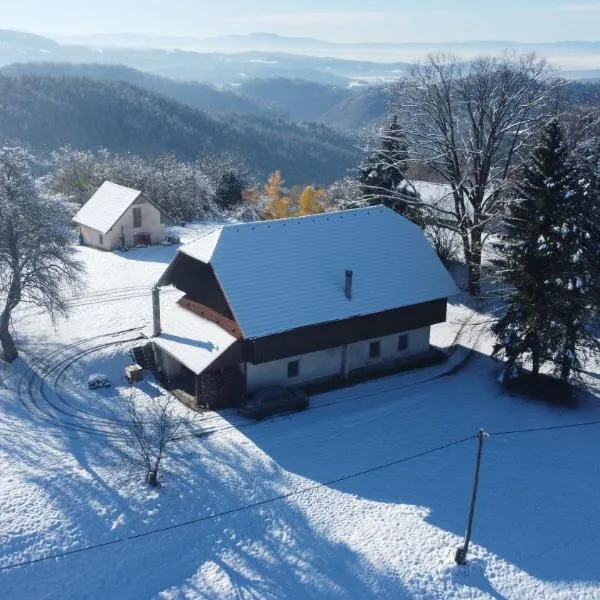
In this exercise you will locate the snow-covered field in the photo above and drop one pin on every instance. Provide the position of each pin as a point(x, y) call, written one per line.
point(242, 513)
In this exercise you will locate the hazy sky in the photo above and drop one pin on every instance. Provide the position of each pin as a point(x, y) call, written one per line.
point(337, 20)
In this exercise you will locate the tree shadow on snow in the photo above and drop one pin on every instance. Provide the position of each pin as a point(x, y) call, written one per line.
point(538, 497)
point(537, 501)
point(270, 551)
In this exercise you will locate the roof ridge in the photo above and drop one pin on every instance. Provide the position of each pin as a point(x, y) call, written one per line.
point(125, 187)
point(106, 206)
point(324, 216)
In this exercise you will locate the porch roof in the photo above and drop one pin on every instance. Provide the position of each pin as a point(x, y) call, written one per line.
point(192, 340)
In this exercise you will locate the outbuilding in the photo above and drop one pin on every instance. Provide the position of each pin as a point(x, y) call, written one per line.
point(297, 301)
point(119, 217)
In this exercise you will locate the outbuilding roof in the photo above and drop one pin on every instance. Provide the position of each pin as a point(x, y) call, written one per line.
point(106, 206)
point(289, 273)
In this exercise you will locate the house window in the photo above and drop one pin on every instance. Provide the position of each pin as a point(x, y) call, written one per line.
point(294, 368)
point(375, 349)
point(137, 216)
point(402, 342)
point(100, 238)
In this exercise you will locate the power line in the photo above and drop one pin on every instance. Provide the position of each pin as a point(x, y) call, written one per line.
point(307, 489)
point(212, 516)
point(549, 428)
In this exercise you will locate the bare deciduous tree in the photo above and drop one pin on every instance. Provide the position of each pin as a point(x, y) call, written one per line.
point(37, 264)
point(148, 434)
point(444, 242)
point(467, 123)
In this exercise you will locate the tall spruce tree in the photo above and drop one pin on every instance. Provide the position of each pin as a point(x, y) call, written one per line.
point(574, 249)
point(528, 330)
point(546, 258)
point(382, 175)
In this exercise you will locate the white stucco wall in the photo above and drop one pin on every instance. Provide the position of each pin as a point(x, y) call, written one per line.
point(150, 224)
point(418, 343)
point(91, 237)
point(313, 366)
point(112, 239)
point(328, 363)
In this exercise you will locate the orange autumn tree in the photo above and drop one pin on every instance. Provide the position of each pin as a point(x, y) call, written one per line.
point(278, 204)
point(310, 201)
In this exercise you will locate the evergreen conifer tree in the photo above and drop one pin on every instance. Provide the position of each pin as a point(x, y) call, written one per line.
point(228, 193)
point(382, 175)
point(574, 250)
point(528, 330)
point(546, 258)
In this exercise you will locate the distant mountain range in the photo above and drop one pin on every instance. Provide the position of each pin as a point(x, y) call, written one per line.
point(574, 57)
point(211, 67)
point(272, 121)
point(231, 60)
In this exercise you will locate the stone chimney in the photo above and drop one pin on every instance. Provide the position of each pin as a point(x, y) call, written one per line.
point(156, 311)
point(348, 286)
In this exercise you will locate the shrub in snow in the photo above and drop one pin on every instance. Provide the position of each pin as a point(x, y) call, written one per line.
point(184, 190)
point(445, 243)
point(147, 433)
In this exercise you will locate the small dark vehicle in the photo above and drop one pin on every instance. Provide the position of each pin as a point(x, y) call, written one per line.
point(272, 401)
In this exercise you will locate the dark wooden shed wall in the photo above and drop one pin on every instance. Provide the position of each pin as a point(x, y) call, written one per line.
point(198, 281)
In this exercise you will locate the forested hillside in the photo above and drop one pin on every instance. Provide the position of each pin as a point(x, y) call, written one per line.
point(346, 109)
point(48, 112)
point(301, 100)
point(202, 96)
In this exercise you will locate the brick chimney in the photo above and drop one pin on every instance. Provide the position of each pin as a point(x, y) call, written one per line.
point(348, 286)
point(156, 311)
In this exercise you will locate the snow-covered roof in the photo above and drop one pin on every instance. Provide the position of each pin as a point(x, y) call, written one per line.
point(289, 273)
point(106, 206)
point(192, 340)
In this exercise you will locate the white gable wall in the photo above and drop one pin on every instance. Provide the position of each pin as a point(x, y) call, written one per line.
point(150, 224)
point(112, 239)
point(92, 237)
point(329, 363)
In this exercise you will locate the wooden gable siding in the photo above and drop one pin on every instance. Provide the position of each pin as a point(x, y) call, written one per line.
point(199, 283)
point(338, 333)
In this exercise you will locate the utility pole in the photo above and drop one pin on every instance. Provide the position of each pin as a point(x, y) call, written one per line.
point(461, 552)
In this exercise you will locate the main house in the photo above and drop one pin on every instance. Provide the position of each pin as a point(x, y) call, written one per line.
point(298, 300)
point(119, 217)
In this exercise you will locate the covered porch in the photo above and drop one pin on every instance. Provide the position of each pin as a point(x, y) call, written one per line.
point(197, 360)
